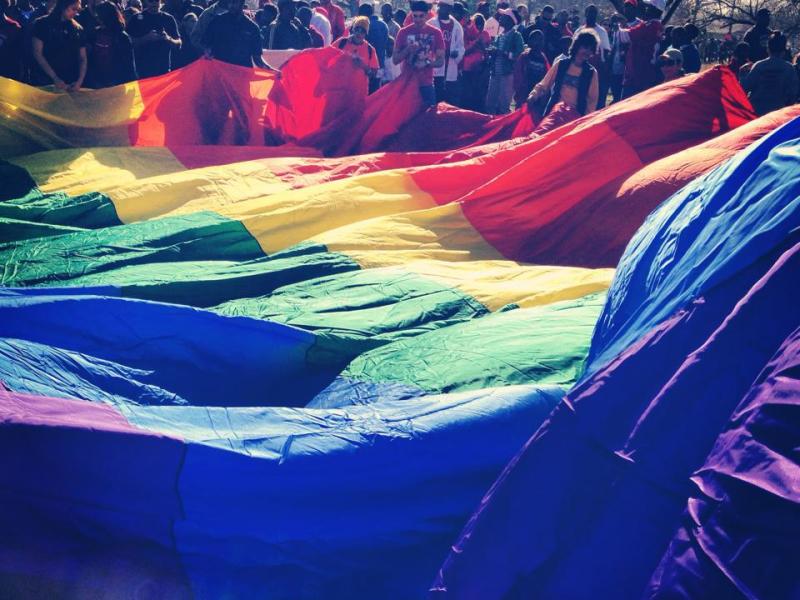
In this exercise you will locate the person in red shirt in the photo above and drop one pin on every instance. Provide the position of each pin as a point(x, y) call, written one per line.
point(365, 59)
point(640, 69)
point(420, 48)
point(336, 17)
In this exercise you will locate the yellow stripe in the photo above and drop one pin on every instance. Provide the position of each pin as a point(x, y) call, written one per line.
point(293, 216)
point(441, 244)
point(438, 233)
point(77, 171)
point(34, 119)
point(497, 283)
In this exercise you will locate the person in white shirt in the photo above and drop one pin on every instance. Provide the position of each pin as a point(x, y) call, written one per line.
point(321, 23)
point(601, 60)
point(445, 78)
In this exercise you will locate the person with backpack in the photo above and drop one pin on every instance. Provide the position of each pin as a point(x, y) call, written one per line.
point(365, 59)
point(572, 81)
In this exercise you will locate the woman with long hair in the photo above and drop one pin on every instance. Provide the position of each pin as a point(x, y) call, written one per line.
point(111, 59)
point(571, 83)
point(59, 48)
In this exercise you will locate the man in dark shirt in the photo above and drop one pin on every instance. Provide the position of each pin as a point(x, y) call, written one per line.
point(286, 32)
point(758, 35)
point(552, 36)
point(10, 44)
point(234, 38)
point(772, 82)
point(155, 35)
point(689, 51)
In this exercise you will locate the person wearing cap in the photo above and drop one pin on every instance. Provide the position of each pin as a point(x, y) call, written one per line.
point(772, 83)
point(671, 64)
point(365, 59)
point(420, 49)
point(505, 50)
point(571, 81)
point(445, 78)
point(640, 71)
point(758, 35)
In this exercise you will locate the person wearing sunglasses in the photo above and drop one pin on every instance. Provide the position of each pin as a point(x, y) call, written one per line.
point(155, 36)
point(365, 59)
point(420, 48)
point(671, 64)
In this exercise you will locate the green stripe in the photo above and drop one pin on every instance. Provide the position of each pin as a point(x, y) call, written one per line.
point(12, 230)
point(544, 345)
point(356, 311)
point(93, 257)
point(91, 211)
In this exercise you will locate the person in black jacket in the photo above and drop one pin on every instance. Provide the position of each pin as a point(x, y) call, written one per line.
point(111, 59)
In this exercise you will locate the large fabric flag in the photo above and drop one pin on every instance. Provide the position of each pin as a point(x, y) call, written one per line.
point(237, 371)
point(678, 430)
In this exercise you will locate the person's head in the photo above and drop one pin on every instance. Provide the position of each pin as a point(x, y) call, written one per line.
point(536, 40)
point(583, 47)
point(366, 9)
point(742, 52)
point(479, 21)
point(459, 11)
point(151, 6)
point(304, 15)
point(629, 10)
point(400, 15)
point(110, 17)
point(548, 12)
point(286, 10)
point(235, 7)
point(66, 10)
point(506, 18)
point(188, 23)
point(359, 29)
point(387, 12)
point(523, 12)
point(419, 12)
point(670, 63)
point(691, 32)
point(562, 17)
point(485, 10)
point(444, 10)
point(678, 37)
point(763, 17)
point(777, 44)
point(590, 14)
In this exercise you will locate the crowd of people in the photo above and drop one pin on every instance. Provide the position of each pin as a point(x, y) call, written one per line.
point(490, 61)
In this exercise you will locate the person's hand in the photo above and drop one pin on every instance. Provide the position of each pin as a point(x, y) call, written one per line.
point(74, 87)
point(207, 54)
point(60, 85)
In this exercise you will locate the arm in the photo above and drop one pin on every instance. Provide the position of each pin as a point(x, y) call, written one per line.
point(593, 93)
point(545, 85)
point(438, 57)
point(457, 44)
point(750, 81)
point(38, 47)
point(76, 85)
point(171, 32)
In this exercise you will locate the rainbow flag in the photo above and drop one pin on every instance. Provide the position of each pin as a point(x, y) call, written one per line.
point(278, 370)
